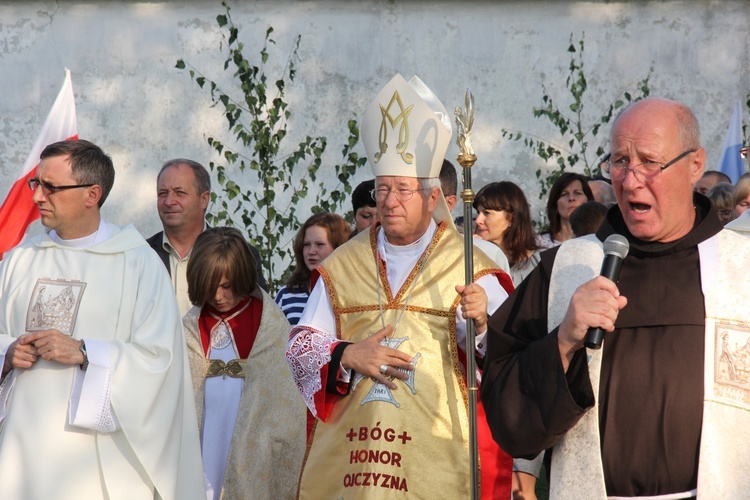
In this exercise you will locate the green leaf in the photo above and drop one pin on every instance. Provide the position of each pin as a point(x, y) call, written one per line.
point(250, 185)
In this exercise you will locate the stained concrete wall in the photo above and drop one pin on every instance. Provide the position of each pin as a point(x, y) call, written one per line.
point(134, 103)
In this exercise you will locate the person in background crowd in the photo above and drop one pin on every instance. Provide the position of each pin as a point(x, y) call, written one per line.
point(363, 207)
point(505, 220)
point(722, 198)
point(568, 192)
point(95, 401)
point(183, 190)
point(709, 180)
point(742, 195)
point(603, 192)
point(449, 185)
point(656, 410)
point(252, 421)
point(316, 239)
point(587, 218)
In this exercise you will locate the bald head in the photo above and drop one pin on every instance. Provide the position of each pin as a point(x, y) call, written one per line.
point(655, 131)
point(682, 117)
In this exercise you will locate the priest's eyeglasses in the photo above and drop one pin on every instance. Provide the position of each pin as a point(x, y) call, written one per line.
point(49, 189)
point(618, 168)
point(404, 194)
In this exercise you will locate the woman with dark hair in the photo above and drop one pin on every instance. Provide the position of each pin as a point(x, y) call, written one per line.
point(568, 192)
point(320, 235)
point(252, 437)
point(504, 219)
point(363, 207)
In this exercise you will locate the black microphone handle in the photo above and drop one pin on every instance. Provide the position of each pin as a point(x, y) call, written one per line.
point(610, 270)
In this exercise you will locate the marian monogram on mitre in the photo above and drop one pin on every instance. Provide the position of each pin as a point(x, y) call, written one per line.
point(402, 120)
point(54, 304)
point(406, 130)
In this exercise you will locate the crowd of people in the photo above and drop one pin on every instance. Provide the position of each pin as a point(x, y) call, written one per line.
point(729, 200)
point(162, 368)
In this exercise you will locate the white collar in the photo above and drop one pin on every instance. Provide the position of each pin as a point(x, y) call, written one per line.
point(101, 234)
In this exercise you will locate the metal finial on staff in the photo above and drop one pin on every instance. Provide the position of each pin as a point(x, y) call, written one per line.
point(466, 158)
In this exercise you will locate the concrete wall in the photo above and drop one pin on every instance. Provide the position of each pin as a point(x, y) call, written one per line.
point(134, 103)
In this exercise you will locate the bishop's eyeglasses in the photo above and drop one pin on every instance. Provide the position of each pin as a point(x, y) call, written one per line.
point(381, 194)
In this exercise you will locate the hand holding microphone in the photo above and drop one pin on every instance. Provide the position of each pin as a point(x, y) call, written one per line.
point(616, 248)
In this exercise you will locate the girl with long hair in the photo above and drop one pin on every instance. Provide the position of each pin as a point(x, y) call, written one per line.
point(320, 235)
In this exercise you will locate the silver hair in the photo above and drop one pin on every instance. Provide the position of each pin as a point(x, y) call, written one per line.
point(429, 183)
point(425, 183)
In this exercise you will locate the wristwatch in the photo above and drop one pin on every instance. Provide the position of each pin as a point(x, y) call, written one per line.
point(85, 363)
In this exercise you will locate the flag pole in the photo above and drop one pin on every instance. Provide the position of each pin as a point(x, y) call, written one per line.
point(466, 158)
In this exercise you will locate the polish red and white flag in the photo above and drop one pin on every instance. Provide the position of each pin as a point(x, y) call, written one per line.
point(18, 210)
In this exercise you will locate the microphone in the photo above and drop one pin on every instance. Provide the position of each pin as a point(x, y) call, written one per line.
point(616, 248)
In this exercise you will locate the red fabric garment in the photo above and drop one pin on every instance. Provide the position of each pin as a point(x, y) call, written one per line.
point(505, 281)
point(243, 321)
point(495, 466)
point(323, 401)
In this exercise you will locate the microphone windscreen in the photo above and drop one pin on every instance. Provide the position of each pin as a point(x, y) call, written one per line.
point(616, 244)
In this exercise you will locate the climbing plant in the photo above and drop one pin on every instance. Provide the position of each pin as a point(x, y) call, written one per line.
point(573, 150)
point(262, 177)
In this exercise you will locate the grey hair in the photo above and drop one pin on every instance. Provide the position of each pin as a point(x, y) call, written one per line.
point(690, 129)
point(202, 178)
point(429, 183)
point(425, 183)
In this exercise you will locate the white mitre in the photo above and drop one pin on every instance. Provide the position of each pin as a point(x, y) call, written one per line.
point(406, 132)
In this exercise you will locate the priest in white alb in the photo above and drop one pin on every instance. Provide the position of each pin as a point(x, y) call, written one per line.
point(95, 398)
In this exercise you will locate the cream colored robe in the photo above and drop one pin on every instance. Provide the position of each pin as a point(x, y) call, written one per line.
point(115, 292)
point(268, 444)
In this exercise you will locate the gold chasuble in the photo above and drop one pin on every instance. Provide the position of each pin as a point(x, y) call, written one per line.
point(411, 442)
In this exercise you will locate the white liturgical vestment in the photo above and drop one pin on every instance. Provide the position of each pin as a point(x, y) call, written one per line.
point(124, 428)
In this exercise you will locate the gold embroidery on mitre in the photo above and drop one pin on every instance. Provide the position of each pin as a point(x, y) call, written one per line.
point(403, 131)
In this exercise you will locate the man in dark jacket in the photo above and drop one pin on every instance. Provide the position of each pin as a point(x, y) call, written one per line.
point(183, 190)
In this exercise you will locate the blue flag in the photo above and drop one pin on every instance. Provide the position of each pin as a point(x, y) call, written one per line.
point(731, 163)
